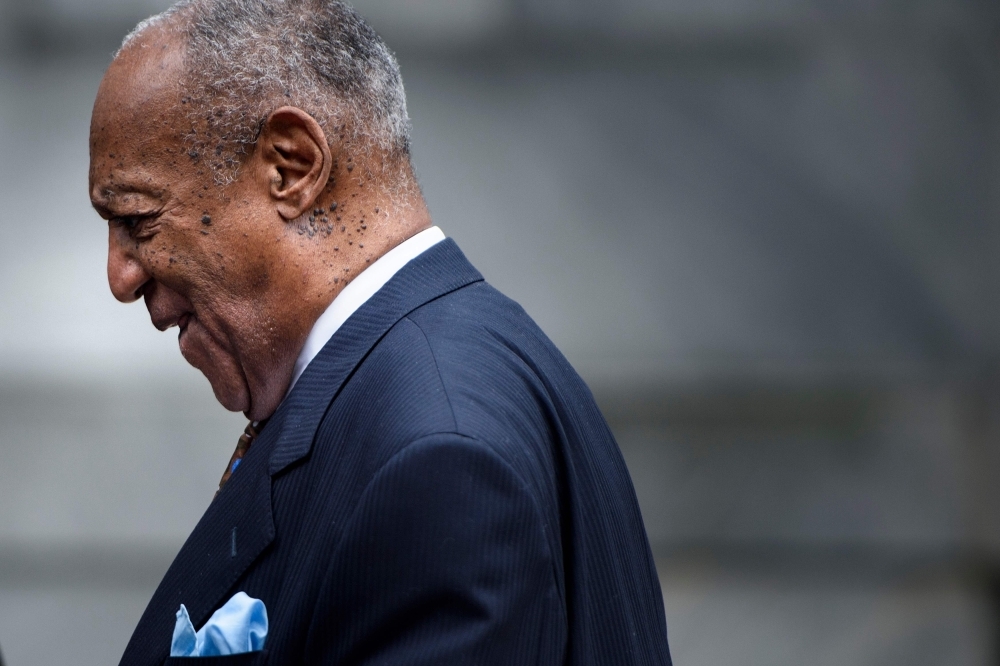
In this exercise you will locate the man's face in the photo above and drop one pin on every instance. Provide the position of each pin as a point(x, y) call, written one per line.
point(201, 256)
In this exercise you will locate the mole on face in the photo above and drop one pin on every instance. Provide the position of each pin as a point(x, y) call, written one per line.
point(206, 219)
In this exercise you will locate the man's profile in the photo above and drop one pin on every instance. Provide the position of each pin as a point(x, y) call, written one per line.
point(425, 479)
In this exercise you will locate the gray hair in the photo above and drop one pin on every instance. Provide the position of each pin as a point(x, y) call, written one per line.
point(245, 58)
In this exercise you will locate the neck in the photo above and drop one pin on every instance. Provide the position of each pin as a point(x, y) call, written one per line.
point(346, 230)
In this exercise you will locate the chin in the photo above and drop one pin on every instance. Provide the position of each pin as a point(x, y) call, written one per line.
point(221, 371)
point(229, 387)
point(234, 401)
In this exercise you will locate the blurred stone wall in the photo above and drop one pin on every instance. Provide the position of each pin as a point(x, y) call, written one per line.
point(765, 233)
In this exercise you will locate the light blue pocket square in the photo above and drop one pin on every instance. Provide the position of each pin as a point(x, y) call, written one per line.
point(239, 626)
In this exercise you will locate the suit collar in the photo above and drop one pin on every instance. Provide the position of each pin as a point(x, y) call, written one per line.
point(440, 270)
point(358, 291)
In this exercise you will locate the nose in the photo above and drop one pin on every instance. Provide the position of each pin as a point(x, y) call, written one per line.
point(126, 276)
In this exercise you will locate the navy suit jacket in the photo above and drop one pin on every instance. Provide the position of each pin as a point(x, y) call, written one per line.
point(438, 488)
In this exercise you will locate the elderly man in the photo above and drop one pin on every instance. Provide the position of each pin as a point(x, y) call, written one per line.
point(425, 479)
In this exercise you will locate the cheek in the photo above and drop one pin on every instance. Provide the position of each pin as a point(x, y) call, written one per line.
point(157, 255)
point(241, 263)
point(178, 263)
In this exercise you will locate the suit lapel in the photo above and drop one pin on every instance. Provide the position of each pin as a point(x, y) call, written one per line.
point(234, 531)
point(238, 525)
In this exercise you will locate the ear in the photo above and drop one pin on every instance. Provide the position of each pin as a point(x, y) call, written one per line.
point(296, 160)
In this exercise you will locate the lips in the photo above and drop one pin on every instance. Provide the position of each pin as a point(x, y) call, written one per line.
point(182, 324)
point(186, 336)
point(167, 308)
point(163, 321)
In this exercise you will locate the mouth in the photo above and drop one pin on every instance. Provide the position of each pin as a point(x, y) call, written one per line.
point(163, 322)
point(182, 323)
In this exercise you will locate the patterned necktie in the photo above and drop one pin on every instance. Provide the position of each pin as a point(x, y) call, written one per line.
point(246, 440)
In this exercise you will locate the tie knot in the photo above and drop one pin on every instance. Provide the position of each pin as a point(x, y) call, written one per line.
point(250, 433)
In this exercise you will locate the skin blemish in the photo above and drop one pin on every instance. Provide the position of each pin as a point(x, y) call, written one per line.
point(206, 219)
point(333, 206)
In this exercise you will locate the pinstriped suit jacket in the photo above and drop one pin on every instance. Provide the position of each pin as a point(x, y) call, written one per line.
point(438, 488)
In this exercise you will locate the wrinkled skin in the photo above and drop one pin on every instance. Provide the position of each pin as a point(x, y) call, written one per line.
point(229, 266)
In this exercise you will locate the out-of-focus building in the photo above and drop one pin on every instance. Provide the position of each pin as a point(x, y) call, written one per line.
point(767, 234)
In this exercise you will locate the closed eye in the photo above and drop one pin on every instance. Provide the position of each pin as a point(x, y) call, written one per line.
point(133, 224)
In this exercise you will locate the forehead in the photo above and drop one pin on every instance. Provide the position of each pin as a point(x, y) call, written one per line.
point(137, 118)
point(141, 89)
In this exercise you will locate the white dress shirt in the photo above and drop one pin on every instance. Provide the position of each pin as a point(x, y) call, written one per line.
point(359, 290)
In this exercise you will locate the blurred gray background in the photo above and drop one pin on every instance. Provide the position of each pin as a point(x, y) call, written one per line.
point(766, 233)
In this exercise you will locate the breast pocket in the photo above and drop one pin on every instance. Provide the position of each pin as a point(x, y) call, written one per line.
point(245, 659)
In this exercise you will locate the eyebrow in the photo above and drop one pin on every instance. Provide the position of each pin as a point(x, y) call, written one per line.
point(105, 202)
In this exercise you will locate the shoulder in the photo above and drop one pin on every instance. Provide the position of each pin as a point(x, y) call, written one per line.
point(468, 350)
point(468, 363)
point(494, 365)
point(478, 337)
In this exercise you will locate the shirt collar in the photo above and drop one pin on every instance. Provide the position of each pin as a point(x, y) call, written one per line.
point(359, 290)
